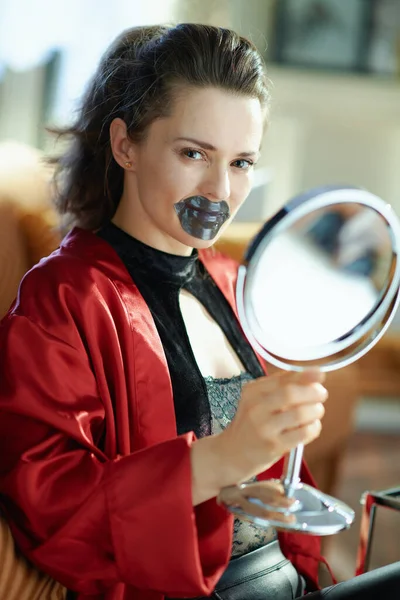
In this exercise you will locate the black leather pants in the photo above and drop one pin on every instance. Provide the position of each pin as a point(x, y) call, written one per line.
point(264, 574)
point(279, 584)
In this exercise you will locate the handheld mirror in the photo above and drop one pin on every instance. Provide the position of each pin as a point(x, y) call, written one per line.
point(319, 287)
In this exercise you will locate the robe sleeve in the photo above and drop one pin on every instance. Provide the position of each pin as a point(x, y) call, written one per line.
point(83, 518)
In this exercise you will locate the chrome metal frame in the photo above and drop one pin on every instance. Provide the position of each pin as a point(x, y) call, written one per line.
point(371, 500)
point(376, 325)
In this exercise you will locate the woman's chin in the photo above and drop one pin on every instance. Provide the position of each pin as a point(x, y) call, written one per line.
point(205, 241)
point(203, 244)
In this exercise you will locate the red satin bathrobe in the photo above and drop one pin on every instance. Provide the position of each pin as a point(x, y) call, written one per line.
point(94, 481)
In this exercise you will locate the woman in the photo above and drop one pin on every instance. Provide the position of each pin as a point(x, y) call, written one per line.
point(122, 361)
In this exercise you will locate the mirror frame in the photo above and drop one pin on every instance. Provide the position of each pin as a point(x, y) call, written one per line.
point(342, 352)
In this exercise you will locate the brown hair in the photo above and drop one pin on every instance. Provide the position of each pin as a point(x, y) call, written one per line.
point(135, 81)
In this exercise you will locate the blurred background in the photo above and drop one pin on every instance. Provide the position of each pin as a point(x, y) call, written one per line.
point(334, 67)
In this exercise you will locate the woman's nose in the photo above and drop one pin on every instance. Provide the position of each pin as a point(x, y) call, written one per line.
point(217, 186)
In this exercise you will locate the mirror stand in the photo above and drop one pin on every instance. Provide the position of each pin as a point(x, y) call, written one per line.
point(311, 512)
point(326, 266)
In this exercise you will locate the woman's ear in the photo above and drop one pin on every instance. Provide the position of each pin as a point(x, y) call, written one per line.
point(121, 145)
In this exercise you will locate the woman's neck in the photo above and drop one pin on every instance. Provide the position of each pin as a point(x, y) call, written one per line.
point(131, 218)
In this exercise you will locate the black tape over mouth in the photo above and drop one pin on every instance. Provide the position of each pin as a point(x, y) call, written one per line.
point(202, 218)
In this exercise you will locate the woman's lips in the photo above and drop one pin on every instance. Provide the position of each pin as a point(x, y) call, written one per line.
point(205, 215)
point(203, 211)
point(200, 217)
point(206, 206)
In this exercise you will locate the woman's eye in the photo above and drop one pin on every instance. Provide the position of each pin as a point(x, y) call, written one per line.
point(193, 154)
point(243, 164)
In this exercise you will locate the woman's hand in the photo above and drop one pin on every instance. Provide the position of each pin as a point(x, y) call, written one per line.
point(274, 415)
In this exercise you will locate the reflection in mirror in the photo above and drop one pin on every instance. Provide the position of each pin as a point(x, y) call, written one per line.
point(320, 278)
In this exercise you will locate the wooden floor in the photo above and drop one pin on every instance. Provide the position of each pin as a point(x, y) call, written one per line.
point(372, 463)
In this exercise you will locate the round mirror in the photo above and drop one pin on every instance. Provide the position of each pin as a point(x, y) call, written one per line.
point(319, 288)
point(321, 280)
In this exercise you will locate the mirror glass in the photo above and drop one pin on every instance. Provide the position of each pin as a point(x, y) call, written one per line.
point(315, 281)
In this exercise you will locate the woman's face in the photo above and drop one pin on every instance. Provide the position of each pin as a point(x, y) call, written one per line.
point(193, 171)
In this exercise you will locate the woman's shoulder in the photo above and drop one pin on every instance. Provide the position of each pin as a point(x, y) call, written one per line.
point(74, 259)
point(82, 268)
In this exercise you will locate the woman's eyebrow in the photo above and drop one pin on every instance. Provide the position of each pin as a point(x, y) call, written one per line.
point(208, 146)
